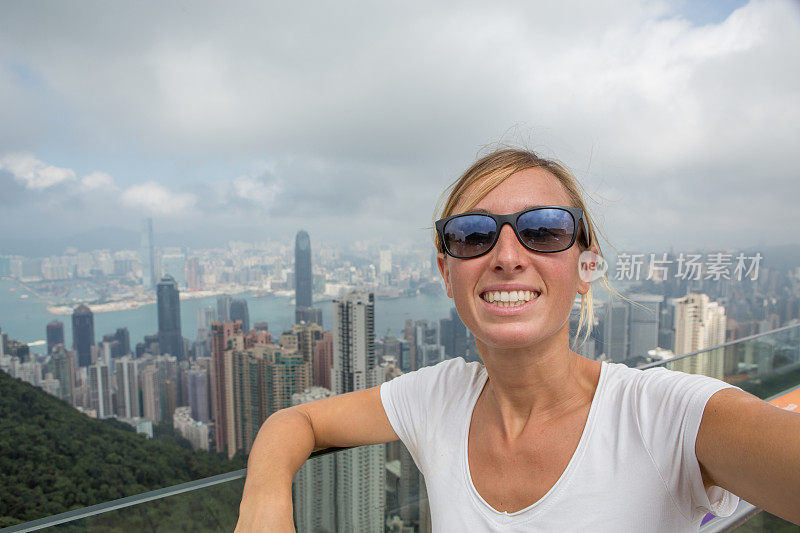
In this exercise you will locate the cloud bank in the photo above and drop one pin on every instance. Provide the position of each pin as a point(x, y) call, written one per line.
point(353, 117)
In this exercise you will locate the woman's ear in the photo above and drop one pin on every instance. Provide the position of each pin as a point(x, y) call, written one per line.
point(590, 268)
point(441, 261)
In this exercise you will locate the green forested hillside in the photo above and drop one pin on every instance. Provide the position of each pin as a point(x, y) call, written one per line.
point(53, 458)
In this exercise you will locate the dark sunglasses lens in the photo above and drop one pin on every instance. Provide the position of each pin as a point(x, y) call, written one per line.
point(546, 230)
point(469, 235)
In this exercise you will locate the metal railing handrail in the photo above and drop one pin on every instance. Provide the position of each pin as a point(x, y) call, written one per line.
point(136, 499)
point(717, 347)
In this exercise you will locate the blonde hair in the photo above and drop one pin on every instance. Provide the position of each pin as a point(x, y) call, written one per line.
point(490, 171)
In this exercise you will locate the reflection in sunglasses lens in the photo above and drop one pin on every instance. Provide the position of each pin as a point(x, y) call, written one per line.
point(546, 230)
point(469, 235)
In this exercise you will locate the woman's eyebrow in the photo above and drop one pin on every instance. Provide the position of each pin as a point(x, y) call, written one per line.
point(529, 206)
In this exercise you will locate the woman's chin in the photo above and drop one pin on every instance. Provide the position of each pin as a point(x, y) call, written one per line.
point(510, 337)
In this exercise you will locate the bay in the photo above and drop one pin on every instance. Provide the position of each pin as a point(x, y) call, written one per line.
point(23, 315)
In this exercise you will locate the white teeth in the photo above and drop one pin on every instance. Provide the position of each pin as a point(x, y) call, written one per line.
point(509, 298)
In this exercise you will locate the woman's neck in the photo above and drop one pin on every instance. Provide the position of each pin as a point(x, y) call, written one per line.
point(540, 382)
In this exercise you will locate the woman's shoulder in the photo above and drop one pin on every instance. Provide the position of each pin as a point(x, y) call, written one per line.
point(659, 384)
point(441, 378)
point(453, 369)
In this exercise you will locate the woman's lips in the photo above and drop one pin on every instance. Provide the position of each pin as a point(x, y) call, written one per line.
point(509, 308)
point(509, 298)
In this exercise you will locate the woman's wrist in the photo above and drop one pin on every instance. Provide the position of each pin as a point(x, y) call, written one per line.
point(266, 496)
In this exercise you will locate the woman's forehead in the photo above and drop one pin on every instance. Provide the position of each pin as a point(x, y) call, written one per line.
point(522, 190)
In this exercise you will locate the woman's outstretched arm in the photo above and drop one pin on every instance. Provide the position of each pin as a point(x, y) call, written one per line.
point(752, 448)
point(288, 437)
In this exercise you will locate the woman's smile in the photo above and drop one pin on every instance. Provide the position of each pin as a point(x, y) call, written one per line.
point(507, 300)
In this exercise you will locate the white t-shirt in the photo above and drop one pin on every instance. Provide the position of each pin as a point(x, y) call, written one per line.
point(634, 469)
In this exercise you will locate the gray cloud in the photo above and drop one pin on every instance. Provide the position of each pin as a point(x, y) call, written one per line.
point(309, 188)
point(371, 111)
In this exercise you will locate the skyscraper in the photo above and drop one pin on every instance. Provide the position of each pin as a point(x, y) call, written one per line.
point(430, 350)
point(238, 311)
point(55, 334)
point(313, 490)
point(308, 315)
point(147, 255)
point(355, 365)
point(224, 335)
point(643, 328)
point(323, 361)
point(360, 493)
point(119, 342)
point(61, 363)
point(193, 274)
point(198, 394)
point(223, 307)
point(100, 390)
point(385, 263)
point(699, 324)
point(170, 340)
point(452, 336)
point(615, 331)
point(151, 394)
point(127, 371)
point(302, 269)
point(123, 336)
point(304, 281)
point(83, 334)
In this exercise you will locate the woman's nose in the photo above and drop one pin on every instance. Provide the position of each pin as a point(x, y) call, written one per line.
point(508, 253)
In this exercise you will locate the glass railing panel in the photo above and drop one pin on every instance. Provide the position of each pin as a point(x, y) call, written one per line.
point(214, 508)
point(763, 365)
point(764, 522)
point(369, 488)
point(378, 488)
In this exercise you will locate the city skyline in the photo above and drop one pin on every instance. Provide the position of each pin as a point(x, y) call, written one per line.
point(214, 212)
point(644, 101)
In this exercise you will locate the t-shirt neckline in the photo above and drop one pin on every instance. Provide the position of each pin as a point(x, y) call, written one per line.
point(550, 496)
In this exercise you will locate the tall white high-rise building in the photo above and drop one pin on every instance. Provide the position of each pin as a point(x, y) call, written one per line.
point(127, 371)
point(360, 479)
point(100, 390)
point(151, 388)
point(699, 324)
point(205, 317)
point(30, 372)
point(313, 490)
point(355, 366)
point(385, 264)
point(190, 429)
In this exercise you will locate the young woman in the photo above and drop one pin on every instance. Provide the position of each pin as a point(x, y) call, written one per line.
point(539, 438)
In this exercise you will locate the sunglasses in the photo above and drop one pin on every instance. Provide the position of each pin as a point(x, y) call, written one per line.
point(546, 229)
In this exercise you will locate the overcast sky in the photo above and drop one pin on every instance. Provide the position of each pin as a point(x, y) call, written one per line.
point(251, 120)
